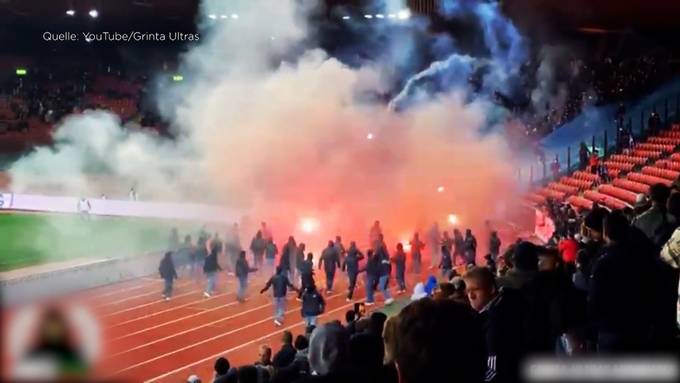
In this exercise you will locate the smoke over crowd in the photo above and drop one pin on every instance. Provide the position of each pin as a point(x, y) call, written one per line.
point(269, 122)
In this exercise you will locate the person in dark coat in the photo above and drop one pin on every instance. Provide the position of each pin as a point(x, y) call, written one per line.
point(224, 373)
point(168, 273)
point(330, 260)
point(270, 253)
point(306, 274)
point(470, 247)
point(340, 247)
point(501, 314)
point(417, 247)
point(299, 261)
point(280, 284)
point(657, 223)
point(313, 305)
point(399, 260)
point(428, 351)
point(288, 256)
point(372, 274)
point(458, 245)
point(200, 253)
point(490, 263)
point(445, 264)
point(494, 245)
point(622, 299)
point(380, 269)
point(210, 268)
point(350, 265)
point(592, 233)
point(216, 243)
point(524, 267)
point(285, 356)
point(258, 246)
point(185, 254)
point(242, 271)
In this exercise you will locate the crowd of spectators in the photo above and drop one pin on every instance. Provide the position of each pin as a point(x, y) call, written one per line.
point(605, 284)
point(607, 81)
point(47, 93)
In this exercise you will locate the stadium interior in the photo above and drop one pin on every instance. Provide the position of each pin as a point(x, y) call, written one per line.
point(292, 191)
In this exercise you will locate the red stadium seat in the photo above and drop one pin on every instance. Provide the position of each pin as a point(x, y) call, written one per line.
point(668, 164)
point(627, 158)
point(626, 166)
point(654, 147)
point(629, 185)
point(549, 193)
point(585, 176)
point(661, 173)
point(622, 194)
point(665, 140)
point(603, 199)
point(649, 154)
point(580, 184)
point(648, 179)
point(580, 202)
point(560, 187)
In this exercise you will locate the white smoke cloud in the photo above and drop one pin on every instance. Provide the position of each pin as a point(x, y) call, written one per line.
point(287, 139)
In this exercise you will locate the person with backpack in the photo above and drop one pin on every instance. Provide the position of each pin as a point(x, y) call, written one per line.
point(168, 273)
point(313, 305)
point(270, 253)
point(306, 268)
point(280, 285)
point(242, 271)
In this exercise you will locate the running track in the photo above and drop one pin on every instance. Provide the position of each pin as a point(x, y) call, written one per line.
point(149, 339)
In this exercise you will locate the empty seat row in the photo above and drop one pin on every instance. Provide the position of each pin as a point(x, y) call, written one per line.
point(627, 158)
point(581, 175)
point(627, 166)
point(580, 202)
point(566, 189)
point(554, 194)
point(661, 173)
point(581, 184)
point(622, 194)
point(636, 187)
point(648, 179)
point(603, 199)
point(655, 147)
point(668, 164)
point(665, 140)
point(613, 173)
point(653, 154)
point(670, 133)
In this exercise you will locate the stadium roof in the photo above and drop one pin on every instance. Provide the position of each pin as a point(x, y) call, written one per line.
point(600, 15)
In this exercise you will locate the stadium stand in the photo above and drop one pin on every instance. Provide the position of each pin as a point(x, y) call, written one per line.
point(631, 172)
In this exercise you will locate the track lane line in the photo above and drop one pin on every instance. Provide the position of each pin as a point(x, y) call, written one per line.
point(268, 319)
point(212, 357)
